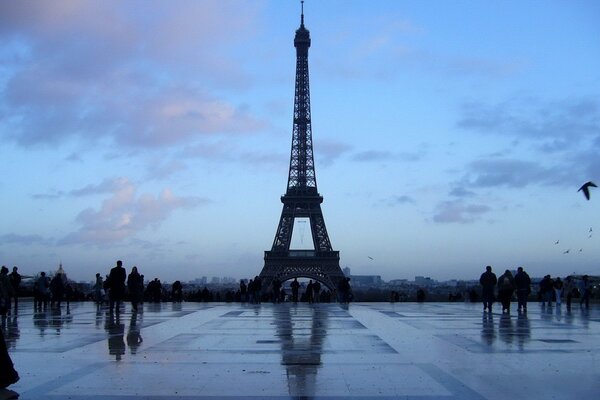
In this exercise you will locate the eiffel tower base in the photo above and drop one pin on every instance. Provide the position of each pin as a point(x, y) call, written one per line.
point(322, 266)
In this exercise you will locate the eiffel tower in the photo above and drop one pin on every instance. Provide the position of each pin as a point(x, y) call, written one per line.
point(302, 200)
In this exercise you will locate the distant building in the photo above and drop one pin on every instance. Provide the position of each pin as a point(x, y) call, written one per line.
point(366, 280)
point(424, 281)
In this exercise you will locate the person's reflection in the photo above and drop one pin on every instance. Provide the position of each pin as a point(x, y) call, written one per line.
point(134, 338)
point(301, 345)
point(116, 332)
point(40, 321)
point(505, 328)
point(11, 331)
point(56, 319)
point(488, 333)
point(523, 330)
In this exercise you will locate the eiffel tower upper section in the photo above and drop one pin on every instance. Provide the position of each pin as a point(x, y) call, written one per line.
point(302, 180)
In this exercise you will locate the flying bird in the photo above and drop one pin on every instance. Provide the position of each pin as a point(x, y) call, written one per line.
point(585, 188)
point(557, 242)
point(566, 251)
point(369, 257)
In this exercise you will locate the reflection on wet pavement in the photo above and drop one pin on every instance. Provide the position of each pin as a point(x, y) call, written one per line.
point(368, 350)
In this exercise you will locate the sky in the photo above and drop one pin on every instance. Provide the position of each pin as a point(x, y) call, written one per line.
point(447, 135)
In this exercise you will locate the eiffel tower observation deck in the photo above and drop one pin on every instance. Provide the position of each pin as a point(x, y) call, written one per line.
point(302, 200)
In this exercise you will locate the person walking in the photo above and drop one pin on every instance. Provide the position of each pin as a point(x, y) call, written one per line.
point(135, 287)
point(116, 285)
point(488, 281)
point(523, 287)
point(506, 286)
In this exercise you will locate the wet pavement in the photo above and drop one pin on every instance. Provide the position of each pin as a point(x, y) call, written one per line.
point(364, 351)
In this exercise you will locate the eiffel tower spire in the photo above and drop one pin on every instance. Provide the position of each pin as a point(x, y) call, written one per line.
point(302, 200)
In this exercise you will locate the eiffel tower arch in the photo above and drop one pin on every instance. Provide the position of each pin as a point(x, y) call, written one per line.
point(302, 199)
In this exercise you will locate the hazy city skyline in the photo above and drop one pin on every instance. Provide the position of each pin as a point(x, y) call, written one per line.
point(447, 135)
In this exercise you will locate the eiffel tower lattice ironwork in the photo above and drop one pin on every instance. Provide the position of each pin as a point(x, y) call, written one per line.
point(302, 200)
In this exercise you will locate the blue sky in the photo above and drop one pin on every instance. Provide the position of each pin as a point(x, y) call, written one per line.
point(447, 135)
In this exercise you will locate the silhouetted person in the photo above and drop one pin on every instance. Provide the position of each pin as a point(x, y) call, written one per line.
point(505, 290)
point(584, 289)
point(295, 285)
point(116, 284)
point(345, 290)
point(15, 281)
point(316, 291)
point(177, 291)
point(309, 291)
point(558, 290)
point(99, 290)
point(568, 288)
point(40, 291)
point(8, 374)
point(243, 291)
point(276, 284)
point(420, 295)
point(6, 292)
point(57, 288)
point(135, 287)
point(523, 287)
point(547, 290)
point(488, 282)
point(257, 289)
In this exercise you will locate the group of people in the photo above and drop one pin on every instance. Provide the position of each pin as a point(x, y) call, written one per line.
point(252, 291)
point(117, 284)
point(549, 289)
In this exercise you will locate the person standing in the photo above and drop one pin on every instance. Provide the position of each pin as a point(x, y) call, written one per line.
point(558, 290)
point(98, 290)
point(488, 281)
point(506, 286)
point(6, 292)
point(135, 287)
point(243, 291)
point(295, 286)
point(568, 288)
point(523, 286)
point(584, 289)
point(15, 280)
point(316, 291)
point(547, 290)
point(40, 291)
point(116, 284)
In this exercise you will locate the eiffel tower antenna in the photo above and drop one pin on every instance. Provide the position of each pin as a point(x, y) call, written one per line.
point(302, 199)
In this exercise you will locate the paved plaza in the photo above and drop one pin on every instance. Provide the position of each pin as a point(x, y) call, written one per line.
point(365, 350)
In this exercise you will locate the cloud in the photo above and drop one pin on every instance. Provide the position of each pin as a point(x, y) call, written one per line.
point(12, 238)
point(137, 75)
point(402, 199)
point(459, 212)
point(378, 155)
point(514, 174)
point(328, 151)
point(558, 125)
point(124, 213)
